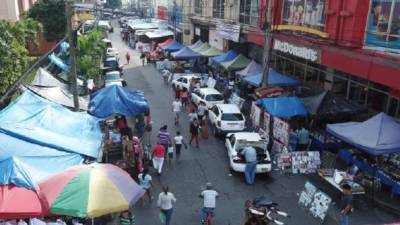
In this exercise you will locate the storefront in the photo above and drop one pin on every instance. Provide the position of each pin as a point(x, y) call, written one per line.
point(315, 41)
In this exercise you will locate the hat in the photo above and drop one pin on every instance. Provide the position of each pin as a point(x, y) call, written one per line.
point(208, 185)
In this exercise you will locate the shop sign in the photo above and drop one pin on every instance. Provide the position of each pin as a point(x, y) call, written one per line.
point(197, 31)
point(228, 31)
point(298, 51)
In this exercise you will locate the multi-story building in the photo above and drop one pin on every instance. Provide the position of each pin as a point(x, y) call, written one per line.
point(13, 10)
point(161, 7)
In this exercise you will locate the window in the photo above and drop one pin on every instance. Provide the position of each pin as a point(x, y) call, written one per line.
point(198, 4)
point(249, 12)
point(215, 110)
point(308, 13)
point(383, 29)
point(233, 140)
point(218, 8)
point(215, 97)
point(232, 117)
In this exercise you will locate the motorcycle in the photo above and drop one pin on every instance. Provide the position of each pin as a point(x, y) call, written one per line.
point(263, 211)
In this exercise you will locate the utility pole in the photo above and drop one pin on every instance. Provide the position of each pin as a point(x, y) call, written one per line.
point(268, 45)
point(72, 35)
point(175, 19)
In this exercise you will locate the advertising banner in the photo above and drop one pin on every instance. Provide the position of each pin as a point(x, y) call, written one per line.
point(228, 31)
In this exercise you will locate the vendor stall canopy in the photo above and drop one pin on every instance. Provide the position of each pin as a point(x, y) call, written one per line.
point(283, 107)
point(328, 104)
point(211, 52)
point(251, 69)
point(159, 34)
point(173, 46)
point(167, 42)
point(119, 100)
point(274, 79)
point(37, 120)
point(237, 63)
point(58, 95)
point(228, 56)
point(376, 136)
point(203, 47)
point(185, 53)
point(44, 78)
point(196, 45)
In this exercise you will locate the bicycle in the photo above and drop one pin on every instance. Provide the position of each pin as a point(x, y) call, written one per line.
point(209, 216)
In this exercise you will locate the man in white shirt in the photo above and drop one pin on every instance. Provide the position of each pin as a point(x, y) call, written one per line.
point(176, 109)
point(209, 201)
point(165, 203)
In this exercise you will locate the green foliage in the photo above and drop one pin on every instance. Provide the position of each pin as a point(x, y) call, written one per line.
point(51, 14)
point(113, 4)
point(91, 50)
point(14, 58)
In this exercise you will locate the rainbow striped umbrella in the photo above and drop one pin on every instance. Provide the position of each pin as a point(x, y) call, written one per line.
point(90, 191)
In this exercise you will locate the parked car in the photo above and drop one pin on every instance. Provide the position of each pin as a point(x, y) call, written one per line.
point(226, 118)
point(112, 52)
point(113, 78)
point(184, 81)
point(111, 64)
point(235, 142)
point(208, 96)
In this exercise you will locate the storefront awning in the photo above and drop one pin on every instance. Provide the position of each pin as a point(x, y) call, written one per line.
point(159, 34)
point(238, 63)
point(376, 136)
point(228, 56)
point(274, 79)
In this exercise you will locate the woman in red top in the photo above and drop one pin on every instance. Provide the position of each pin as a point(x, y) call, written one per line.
point(158, 157)
point(184, 97)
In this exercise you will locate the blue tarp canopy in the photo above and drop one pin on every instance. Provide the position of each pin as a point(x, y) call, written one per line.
point(228, 56)
point(196, 45)
point(39, 121)
point(283, 107)
point(173, 46)
point(251, 69)
point(274, 79)
point(185, 53)
point(25, 164)
point(376, 136)
point(115, 99)
point(58, 62)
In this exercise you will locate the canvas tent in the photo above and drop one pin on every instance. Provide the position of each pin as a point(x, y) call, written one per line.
point(203, 47)
point(172, 47)
point(196, 45)
point(274, 79)
point(185, 53)
point(375, 136)
point(328, 104)
point(237, 63)
point(165, 42)
point(37, 120)
point(159, 34)
point(44, 78)
point(211, 52)
point(115, 99)
point(251, 69)
point(228, 56)
point(59, 96)
point(283, 107)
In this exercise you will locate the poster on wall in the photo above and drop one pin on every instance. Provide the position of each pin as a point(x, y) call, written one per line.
point(228, 31)
point(281, 130)
point(255, 114)
point(307, 13)
point(383, 29)
point(305, 162)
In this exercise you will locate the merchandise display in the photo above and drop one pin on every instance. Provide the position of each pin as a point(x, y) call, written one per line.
point(305, 162)
point(267, 121)
point(255, 114)
point(315, 201)
point(281, 131)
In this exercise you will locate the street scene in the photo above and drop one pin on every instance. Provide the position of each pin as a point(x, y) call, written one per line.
point(250, 112)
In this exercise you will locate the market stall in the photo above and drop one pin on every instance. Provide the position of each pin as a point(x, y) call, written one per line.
point(378, 138)
point(44, 78)
point(228, 56)
point(274, 79)
point(196, 45)
point(211, 52)
point(172, 47)
point(203, 47)
point(185, 54)
point(237, 63)
point(251, 69)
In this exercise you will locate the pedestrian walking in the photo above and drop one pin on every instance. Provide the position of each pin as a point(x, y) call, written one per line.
point(165, 202)
point(184, 97)
point(192, 115)
point(250, 156)
point(303, 136)
point(143, 58)
point(170, 153)
point(145, 181)
point(177, 92)
point(158, 157)
point(201, 111)
point(164, 137)
point(346, 206)
point(127, 57)
point(176, 109)
point(178, 142)
point(194, 132)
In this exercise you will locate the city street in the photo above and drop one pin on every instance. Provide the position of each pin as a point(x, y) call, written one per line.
point(209, 163)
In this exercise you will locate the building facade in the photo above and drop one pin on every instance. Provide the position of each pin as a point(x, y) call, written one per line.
point(13, 10)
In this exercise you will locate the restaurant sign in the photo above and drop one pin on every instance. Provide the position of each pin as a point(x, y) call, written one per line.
point(298, 51)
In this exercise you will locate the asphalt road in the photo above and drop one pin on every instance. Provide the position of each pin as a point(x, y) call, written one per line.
point(209, 163)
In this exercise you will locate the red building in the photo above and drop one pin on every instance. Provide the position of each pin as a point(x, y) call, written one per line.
point(351, 47)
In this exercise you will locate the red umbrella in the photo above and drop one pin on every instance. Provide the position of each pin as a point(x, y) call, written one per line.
point(18, 202)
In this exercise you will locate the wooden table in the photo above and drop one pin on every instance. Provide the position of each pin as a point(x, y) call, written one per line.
point(329, 179)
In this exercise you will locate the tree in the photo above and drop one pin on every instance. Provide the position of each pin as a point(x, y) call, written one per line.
point(14, 58)
point(113, 4)
point(51, 14)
